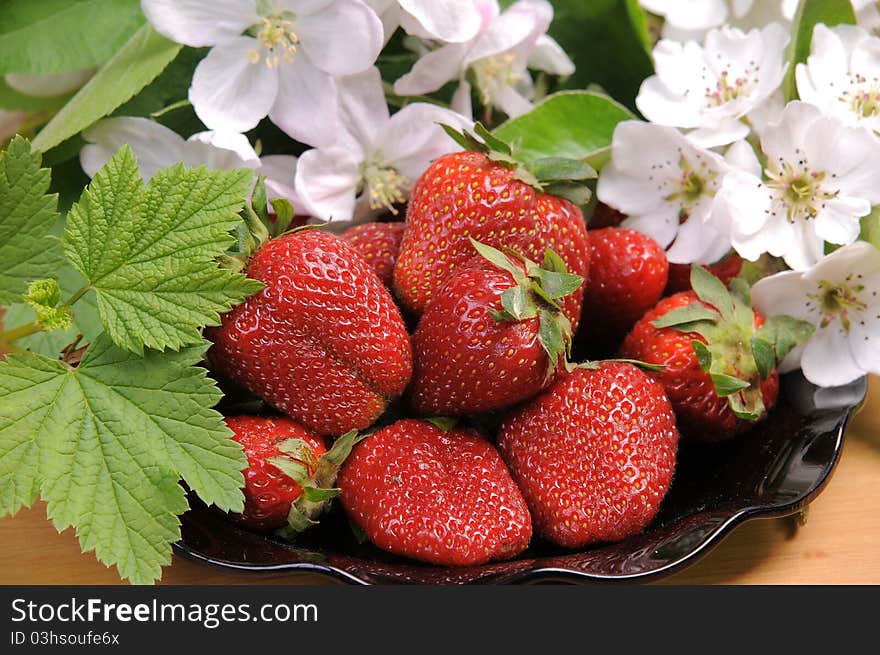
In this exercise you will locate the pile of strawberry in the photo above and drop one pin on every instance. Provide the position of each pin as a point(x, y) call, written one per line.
point(500, 283)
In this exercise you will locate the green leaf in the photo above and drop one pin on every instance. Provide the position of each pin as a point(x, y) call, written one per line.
point(499, 259)
point(493, 142)
point(15, 100)
point(765, 357)
point(445, 423)
point(784, 334)
point(747, 404)
point(559, 285)
point(572, 124)
point(704, 355)
point(141, 60)
point(725, 385)
point(284, 214)
point(106, 443)
point(551, 169)
point(296, 471)
point(608, 42)
point(149, 252)
point(86, 322)
point(319, 494)
point(684, 316)
point(809, 14)
point(516, 304)
point(553, 262)
point(27, 215)
point(577, 194)
point(57, 36)
point(44, 296)
point(551, 336)
point(712, 291)
point(334, 458)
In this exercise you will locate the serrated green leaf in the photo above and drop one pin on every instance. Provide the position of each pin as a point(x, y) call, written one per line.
point(143, 57)
point(56, 36)
point(712, 291)
point(27, 215)
point(765, 358)
point(43, 296)
point(809, 14)
point(682, 317)
point(107, 442)
point(149, 252)
point(573, 124)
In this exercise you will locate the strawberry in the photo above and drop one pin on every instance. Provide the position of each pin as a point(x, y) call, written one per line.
point(493, 336)
point(720, 356)
point(604, 216)
point(323, 342)
point(481, 194)
point(268, 492)
point(440, 497)
point(725, 270)
point(593, 455)
point(379, 244)
point(628, 272)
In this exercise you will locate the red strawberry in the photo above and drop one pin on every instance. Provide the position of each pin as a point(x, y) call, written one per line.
point(493, 336)
point(593, 455)
point(379, 244)
point(604, 216)
point(290, 475)
point(323, 342)
point(440, 497)
point(481, 196)
point(268, 492)
point(720, 356)
point(628, 273)
point(725, 270)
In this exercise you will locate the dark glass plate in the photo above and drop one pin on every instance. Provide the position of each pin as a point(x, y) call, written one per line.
point(774, 470)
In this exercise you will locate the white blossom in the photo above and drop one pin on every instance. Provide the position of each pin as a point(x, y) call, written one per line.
point(275, 58)
point(842, 75)
point(820, 179)
point(840, 296)
point(868, 15)
point(156, 146)
point(715, 89)
point(690, 20)
point(498, 59)
point(378, 157)
point(666, 186)
point(450, 21)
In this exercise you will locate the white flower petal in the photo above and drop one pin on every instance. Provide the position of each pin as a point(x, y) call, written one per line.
point(154, 145)
point(660, 224)
point(451, 21)
point(741, 155)
point(307, 106)
point(802, 250)
point(629, 194)
point(787, 137)
point(839, 222)
point(280, 172)
point(548, 56)
point(697, 243)
point(433, 70)
point(520, 25)
point(689, 14)
point(344, 39)
point(665, 107)
point(200, 23)
point(725, 132)
point(827, 359)
point(511, 102)
point(363, 109)
point(327, 183)
point(230, 93)
point(413, 138)
point(220, 150)
point(784, 293)
point(461, 99)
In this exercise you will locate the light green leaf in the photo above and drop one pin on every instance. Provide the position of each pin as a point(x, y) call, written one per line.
point(572, 124)
point(809, 14)
point(712, 291)
point(14, 100)
point(559, 285)
point(499, 259)
point(683, 317)
point(765, 358)
point(57, 36)
point(143, 57)
point(704, 355)
point(725, 385)
point(516, 304)
point(784, 334)
point(106, 442)
point(27, 214)
point(445, 423)
point(149, 252)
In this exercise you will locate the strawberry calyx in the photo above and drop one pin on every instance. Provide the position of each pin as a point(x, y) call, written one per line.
point(558, 176)
point(315, 475)
point(258, 226)
point(736, 355)
point(535, 294)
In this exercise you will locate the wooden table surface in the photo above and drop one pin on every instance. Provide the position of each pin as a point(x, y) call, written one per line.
point(838, 544)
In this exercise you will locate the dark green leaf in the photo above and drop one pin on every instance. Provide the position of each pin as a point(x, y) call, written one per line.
point(493, 142)
point(516, 303)
point(499, 259)
point(685, 316)
point(551, 337)
point(726, 385)
point(464, 138)
point(445, 423)
point(809, 14)
point(575, 193)
point(748, 404)
point(784, 334)
point(704, 355)
point(284, 213)
point(559, 285)
point(560, 169)
point(319, 495)
point(765, 357)
point(553, 262)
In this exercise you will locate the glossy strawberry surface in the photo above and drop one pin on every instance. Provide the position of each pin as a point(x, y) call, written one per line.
point(323, 342)
point(464, 361)
point(465, 195)
point(594, 455)
point(628, 272)
point(378, 243)
point(439, 497)
point(702, 415)
point(269, 493)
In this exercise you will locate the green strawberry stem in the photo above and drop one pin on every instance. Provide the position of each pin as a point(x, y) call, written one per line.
point(535, 295)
